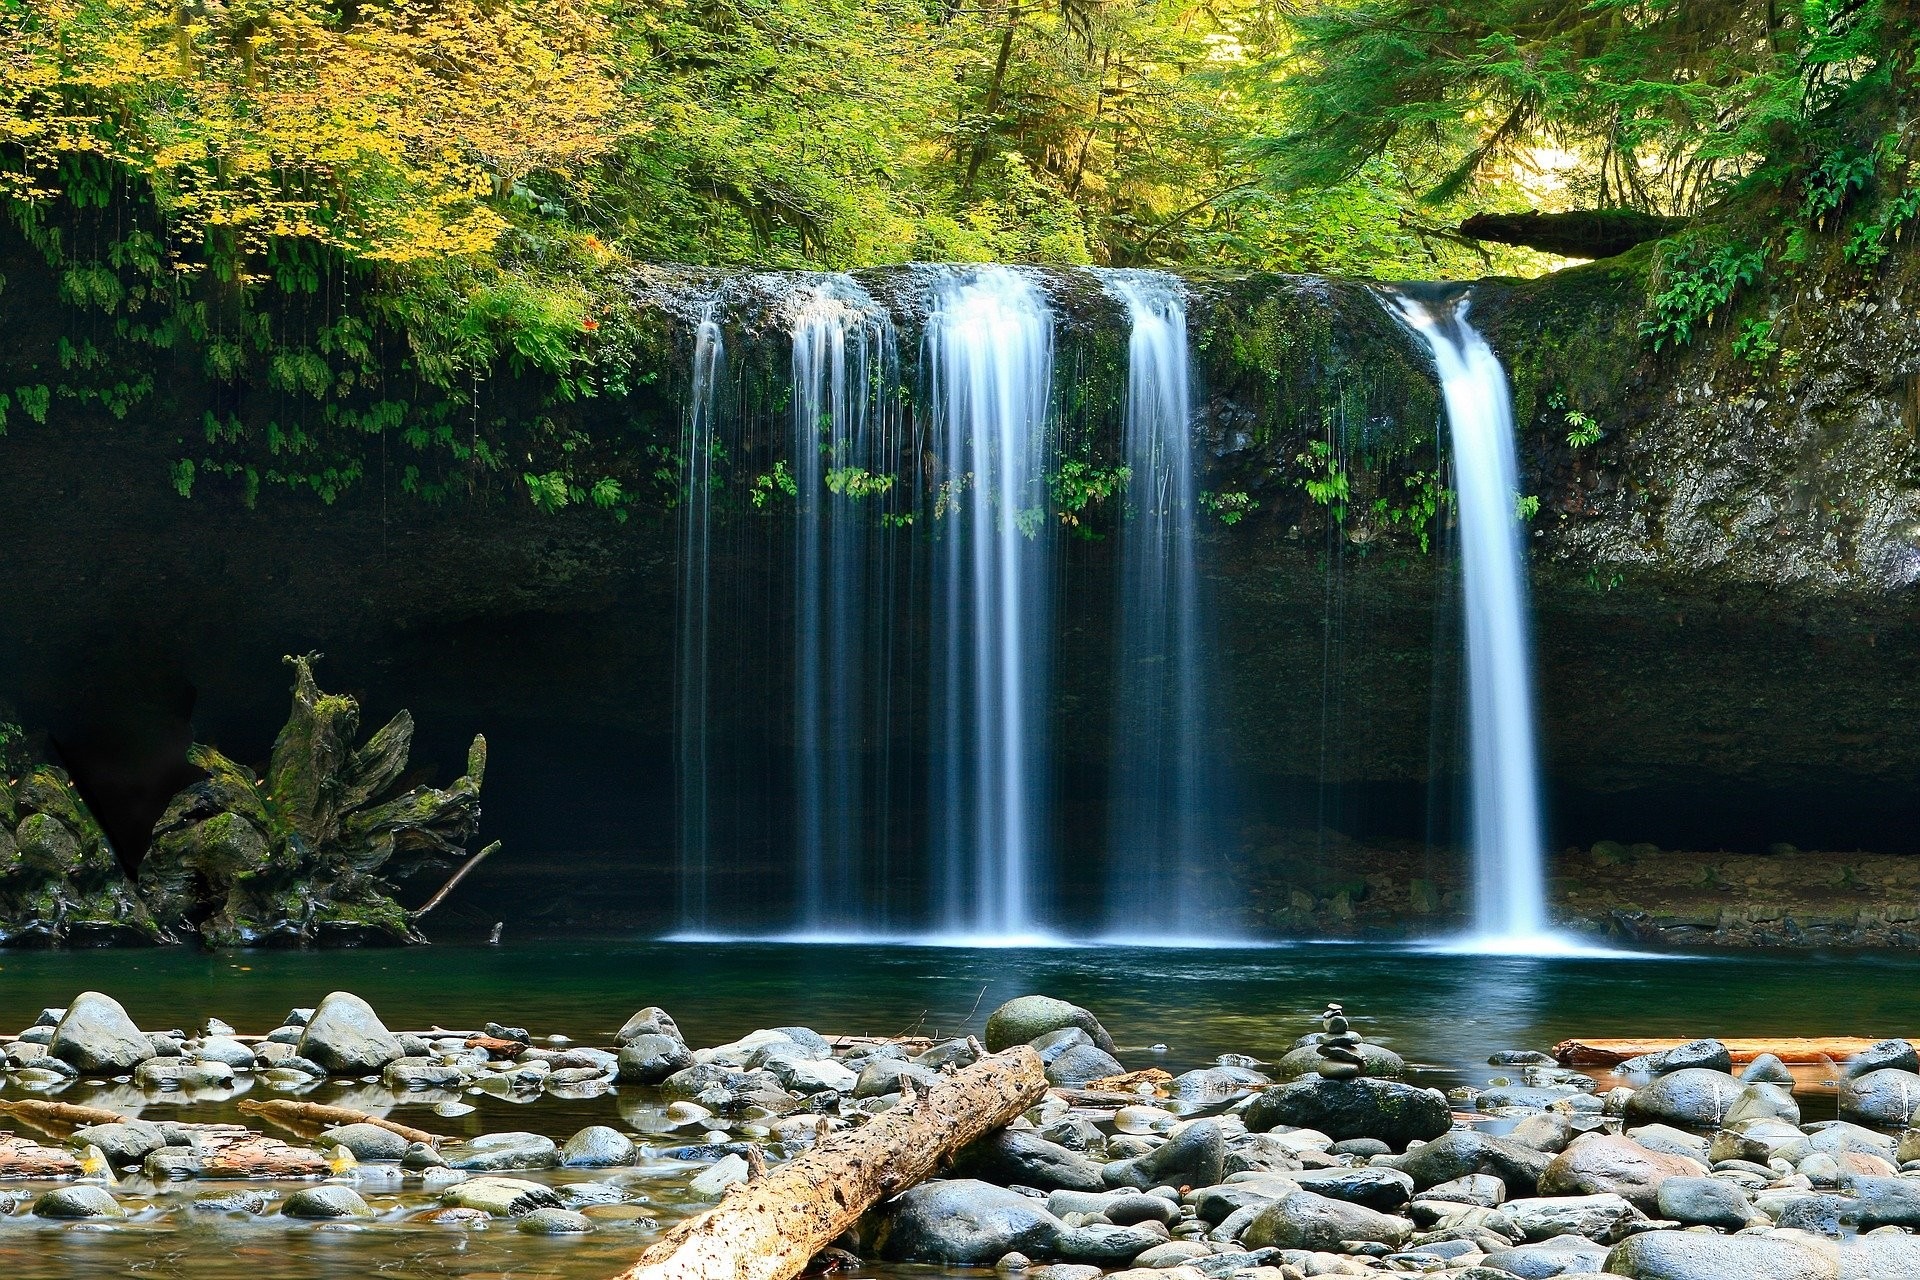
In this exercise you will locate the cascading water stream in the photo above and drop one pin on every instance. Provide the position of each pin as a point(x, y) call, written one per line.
point(846, 454)
point(1159, 827)
point(693, 713)
point(989, 353)
point(1509, 912)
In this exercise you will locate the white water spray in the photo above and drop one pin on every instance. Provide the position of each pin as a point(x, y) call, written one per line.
point(1510, 912)
point(989, 349)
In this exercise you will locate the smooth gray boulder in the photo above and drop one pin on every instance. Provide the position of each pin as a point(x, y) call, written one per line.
point(1605, 1218)
point(1194, 1157)
point(1377, 1188)
point(1897, 1054)
point(329, 1201)
point(1122, 1208)
point(366, 1141)
point(83, 1201)
point(652, 1020)
point(347, 1037)
point(1303, 1220)
point(1882, 1099)
point(555, 1222)
point(1695, 1255)
point(122, 1144)
point(1708, 1055)
point(1690, 1098)
point(1111, 1245)
point(1560, 1256)
point(1395, 1113)
point(1704, 1202)
point(1081, 1063)
point(882, 1076)
point(1766, 1069)
point(1455, 1155)
point(1027, 1018)
point(597, 1147)
point(1375, 1060)
point(963, 1222)
point(1020, 1157)
point(1602, 1163)
point(98, 1038)
point(650, 1057)
point(491, 1152)
point(1885, 1202)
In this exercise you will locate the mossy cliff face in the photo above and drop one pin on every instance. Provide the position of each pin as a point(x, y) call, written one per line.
point(1725, 642)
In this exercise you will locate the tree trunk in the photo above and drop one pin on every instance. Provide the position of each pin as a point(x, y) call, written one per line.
point(770, 1228)
point(1584, 233)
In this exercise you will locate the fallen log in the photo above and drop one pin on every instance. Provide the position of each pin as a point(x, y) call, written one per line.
point(1789, 1049)
point(23, 1158)
point(770, 1228)
point(261, 1157)
point(308, 1118)
point(59, 1118)
point(1582, 233)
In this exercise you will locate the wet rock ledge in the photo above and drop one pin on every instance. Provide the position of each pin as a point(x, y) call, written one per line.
point(1334, 1160)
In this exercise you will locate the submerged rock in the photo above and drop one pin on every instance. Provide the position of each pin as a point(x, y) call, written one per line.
point(596, 1147)
point(495, 1151)
point(331, 1201)
point(84, 1201)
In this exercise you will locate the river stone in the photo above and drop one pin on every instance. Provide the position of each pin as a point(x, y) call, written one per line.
point(882, 1076)
point(1694, 1255)
point(1605, 1217)
point(1455, 1155)
point(957, 1053)
point(1212, 1084)
point(1689, 1098)
point(1027, 1018)
point(122, 1144)
point(596, 1147)
point(1022, 1157)
point(1884, 1202)
point(97, 1037)
point(1480, 1189)
point(1560, 1256)
point(1375, 1060)
point(1672, 1141)
point(251, 1201)
point(329, 1201)
point(1122, 1208)
point(963, 1222)
point(1081, 1063)
point(1767, 1069)
point(1606, 1163)
point(501, 1197)
point(495, 1151)
point(1394, 1113)
point(409, 1075)
point(1194, 1157)
point(1704, 1202)
point(1383, 1189)
point(811, 1075)
point(650, 1057)
point(1898, 1054)
point(84, 1201)
point(1762, 1102)
point(1216, 1204)
point(1709, 1055)
point(346, 1036)
point(652, 1020)
point(1303, 1220)
point(556, 1222)
point(365, 1141)
point(1172, 1254)
point(1108, 1244)
point(220, 1049)
point(1883, 1099)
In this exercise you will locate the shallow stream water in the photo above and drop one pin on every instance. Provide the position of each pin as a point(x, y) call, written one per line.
point(1444, 1013)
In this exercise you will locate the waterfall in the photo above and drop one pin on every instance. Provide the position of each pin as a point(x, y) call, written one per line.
point(989, 355)
point(1159, 832)
point(698, 445)
point(846, 451)
point(1508, 877)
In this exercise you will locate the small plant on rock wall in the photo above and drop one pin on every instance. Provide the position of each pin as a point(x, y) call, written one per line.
point(1079, 487)
point(1326, 481)
point(1231, 507)
point(1423, 496)
point(770, 485)
point(1755, 343)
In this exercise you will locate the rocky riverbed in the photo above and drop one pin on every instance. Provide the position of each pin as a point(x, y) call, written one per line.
point(387, 1150)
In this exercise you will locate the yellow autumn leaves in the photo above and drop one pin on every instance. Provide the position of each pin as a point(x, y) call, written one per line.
point(395, 130)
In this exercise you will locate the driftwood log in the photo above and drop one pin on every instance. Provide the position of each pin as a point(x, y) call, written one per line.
point(61, 1118)
point(21, 1158)
point(771, 1227)
point(309, 1118)
point(1789, 1049)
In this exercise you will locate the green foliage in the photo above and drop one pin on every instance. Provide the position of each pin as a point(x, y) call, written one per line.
point(1755, 343)
point(1231, 506)
point(1694, 281)
point(1326, 480)
point(1078, 487)
point(1525, 506)
point(1422, 496)
point(771, 484)
point(1583, 429)
point(857, 482)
